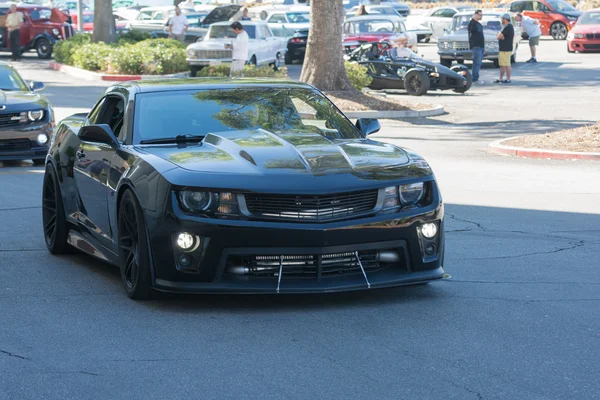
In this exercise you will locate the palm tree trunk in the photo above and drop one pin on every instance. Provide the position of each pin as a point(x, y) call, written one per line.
point(104, 22)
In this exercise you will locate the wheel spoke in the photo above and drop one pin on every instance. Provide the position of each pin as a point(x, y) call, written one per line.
point(49, 228)
point(129, 268)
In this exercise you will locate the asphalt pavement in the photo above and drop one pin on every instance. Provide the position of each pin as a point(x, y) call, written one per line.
point(519, 318)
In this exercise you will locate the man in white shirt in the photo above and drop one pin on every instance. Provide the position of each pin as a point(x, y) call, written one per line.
point(178, 24)
point(239, 54)
point(532, 28)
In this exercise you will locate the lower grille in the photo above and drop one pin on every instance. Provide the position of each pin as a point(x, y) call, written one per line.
point(10, 119)
point(460, 46)
point(214, 54)
point(591, 46)
point(307, 208)
point(15, 144)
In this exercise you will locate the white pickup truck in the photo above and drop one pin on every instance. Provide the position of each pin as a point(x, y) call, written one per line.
point(263, 46)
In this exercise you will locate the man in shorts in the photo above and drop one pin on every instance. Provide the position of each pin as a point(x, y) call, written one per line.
point(505, 43)
point(178, 24)
point(532, 28)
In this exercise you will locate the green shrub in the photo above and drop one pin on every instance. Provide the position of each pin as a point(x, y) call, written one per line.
point(164, 43)
point(64, 49)
point(125, 59)
point(250, 71)
point(91, 56)
point(146, 59)
point(358, 75)
point(132, 37)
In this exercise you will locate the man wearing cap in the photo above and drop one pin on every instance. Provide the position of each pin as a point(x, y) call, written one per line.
point(532, 28)
point(476, 43)
point(505, 44)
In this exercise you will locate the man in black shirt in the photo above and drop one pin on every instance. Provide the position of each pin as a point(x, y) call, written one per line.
point(476, 43)
point(505, 43)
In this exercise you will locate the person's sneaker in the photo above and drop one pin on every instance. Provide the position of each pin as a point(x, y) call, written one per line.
point(506, 81)
point(531, 60)
point(479, 82)
point(498, 81)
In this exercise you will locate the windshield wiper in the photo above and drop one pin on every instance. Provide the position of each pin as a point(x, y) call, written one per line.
point(187, 138)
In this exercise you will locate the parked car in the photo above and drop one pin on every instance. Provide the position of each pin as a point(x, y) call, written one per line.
point(385, 10)
point(454, 45)
point(439, 20)
point(262, 12)
point(422, 32)
point(401, 7)
point(296, 46)
point(26, 118)
point(556, 17)
point(42, 28)
point(88, 22)
point(244, 186)
point(375, 28)
point(286, 23)
point(585, 35)
point(410, 73)
point(263, 46)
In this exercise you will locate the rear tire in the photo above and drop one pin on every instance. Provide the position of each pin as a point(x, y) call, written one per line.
point(134, 254)
point(446, 63)
point(416, 82)
point(55, 226)
point(288, 58)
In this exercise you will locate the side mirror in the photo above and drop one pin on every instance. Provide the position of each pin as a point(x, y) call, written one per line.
point(368, 125)
point(100, 133)
point(36, 86)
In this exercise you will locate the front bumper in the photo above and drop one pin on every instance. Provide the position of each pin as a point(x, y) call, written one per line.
point(225, 245)
point(196, 62)
point(296, 52)
point(466, 55)
point(20, 142)
point(584, 45)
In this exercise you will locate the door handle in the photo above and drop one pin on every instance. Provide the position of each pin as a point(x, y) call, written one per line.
point(80, 154)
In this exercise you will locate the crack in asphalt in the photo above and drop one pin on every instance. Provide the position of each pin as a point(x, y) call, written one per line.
point(479, 396)
point(573, 246)
point(526, 301)
point(454, 217)
point(19, 208)
point(151, 359)
point(8, 353)
point(15, 250)
point(71, 372)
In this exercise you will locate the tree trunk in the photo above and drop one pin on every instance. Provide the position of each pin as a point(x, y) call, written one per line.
point(324, 62)
point(104, 22)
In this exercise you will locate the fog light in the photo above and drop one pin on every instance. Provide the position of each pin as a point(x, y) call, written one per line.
point(185, 260)
point(430, 249)
point(429, 230)
point(185, 241)
point(42, 138)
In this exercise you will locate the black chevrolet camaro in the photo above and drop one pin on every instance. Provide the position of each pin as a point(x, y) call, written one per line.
point(247, 186)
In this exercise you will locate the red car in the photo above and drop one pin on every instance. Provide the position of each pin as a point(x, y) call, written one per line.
point(556, 17)
point(42, 28)
point(88, 22)
point(373, 29)
point(585, 35)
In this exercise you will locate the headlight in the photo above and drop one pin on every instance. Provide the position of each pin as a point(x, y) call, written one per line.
point(443, 45)
point(224, 203)
point(573, 18)
point(196, 201)
point(56, 31)
point(411, 194)
point(577, 36)
point(35, 115)
point(191, 53)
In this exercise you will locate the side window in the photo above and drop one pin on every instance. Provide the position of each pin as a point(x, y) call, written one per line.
point(94, 114)
point(159, 16)
point(144, 16)
point(449, 13)
point(537, 6)
point(438, 13)
point(528, 5)
point(277, 19)
point(111, 111)
point(266, 31)
point(401, 27)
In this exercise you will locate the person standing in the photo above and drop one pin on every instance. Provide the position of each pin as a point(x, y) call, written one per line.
point(476, 43)
point(505, 43)
point(245, 16)
point(239, 53)
point(178, 24)
point(14, 21)
point(533, 31)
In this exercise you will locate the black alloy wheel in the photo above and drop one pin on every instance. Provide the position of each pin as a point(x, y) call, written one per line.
point(53, 214)
point(416, 82)
point(43, 48)
point(133, 248)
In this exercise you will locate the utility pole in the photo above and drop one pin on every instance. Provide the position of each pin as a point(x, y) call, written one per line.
point(80, 15)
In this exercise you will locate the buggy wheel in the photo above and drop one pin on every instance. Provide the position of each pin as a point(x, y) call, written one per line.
point(416, 82)
point(469, 78)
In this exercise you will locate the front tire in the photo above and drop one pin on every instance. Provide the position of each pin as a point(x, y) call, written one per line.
point(469, 78)
point(559, 31)
point(134, 253)
point(53, 214)
point(43, 48)
point(416, 83)
point(288, 58)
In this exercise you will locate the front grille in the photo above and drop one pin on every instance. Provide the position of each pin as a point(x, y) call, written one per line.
point(591, 46)
point(212, 54)
point(593, 36)
point(460, 46)
point(10, 119)
point(15, 144)
point(308, 208)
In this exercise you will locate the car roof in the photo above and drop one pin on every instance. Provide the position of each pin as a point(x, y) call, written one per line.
point(378, 16)
point(176, 84)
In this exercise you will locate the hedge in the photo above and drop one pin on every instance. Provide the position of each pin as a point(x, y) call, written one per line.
point(358, 75)
point(250, 71)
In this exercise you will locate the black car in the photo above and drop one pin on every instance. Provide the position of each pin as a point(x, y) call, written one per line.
point(413, 74)
point(296, 46)
point(248, 186)
point(26, 118)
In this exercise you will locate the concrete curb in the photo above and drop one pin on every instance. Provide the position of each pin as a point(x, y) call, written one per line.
point(437, 110)
point(96, 76)
point(498, 148)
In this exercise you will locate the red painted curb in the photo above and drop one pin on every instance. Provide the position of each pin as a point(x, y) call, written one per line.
point(97, 75)
point(498, 148)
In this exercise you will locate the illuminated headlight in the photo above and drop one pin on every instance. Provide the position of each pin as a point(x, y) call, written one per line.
point(429, 230)
point(186, 241)
point(35, 115)
point(224, 203)
point(191, 53)
point(56, 31)
point(411, 194)
point(42, 138)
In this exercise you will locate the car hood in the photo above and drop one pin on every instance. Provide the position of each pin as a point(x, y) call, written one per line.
point(573, 14)
point(586, 28)
point(210, 44)
point(20, 101)
point(462, 36)
point(264, 152)
point(220, 14)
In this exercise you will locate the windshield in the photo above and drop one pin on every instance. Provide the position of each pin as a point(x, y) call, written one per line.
point(298, 18)
point(561, 6)
point(372, 25)
point(40, 14)
point(492, 22)
point(88, 18)
point(200, 112)
point(589, 18)
point(10, 80)
point(195, 21)
point(225, 32)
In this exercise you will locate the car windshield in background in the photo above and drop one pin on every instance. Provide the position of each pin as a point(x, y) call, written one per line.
point(298, 18)
point(10, 80)
point(491, 22)
point(200, 112)
point(561, 6)
point(194, 21)
point(37, 15)
point(88, 18)
point(374, 25)
point(589, 18)
point(225, 32)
